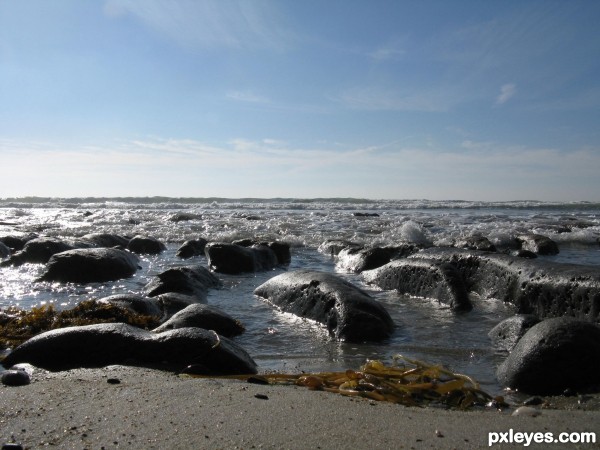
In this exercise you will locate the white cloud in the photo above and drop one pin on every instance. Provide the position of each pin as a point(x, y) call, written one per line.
point(268, 167)
point(507, 91)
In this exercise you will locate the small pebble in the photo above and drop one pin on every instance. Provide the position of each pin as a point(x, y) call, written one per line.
point(12, 446)
point(113, 381)
point(438, 433)
point(15, 378)
point(526, 411)
point(261, 396)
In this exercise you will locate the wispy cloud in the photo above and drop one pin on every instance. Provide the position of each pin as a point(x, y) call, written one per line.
point(374, 98)
point(507, 91)
point(246, 96)
point(208, 23)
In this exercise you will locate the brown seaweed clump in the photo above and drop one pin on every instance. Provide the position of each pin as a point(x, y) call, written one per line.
point(17, 325)
point(410, 383)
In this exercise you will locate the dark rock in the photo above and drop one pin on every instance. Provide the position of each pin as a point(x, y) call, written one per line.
point(354, 259)
point(281, 250)
point(538, 244)
point(246, 242)
point(191, 248)
point(135, 303)
point(476, 242)
point(554, 355)
point(203, 316)
point(349, 313)
point(523, 254)
point(106, 240)
point(423, 278)
point(183, 217)
point(4, 251)
point(542, 288)
point(507, 333)
point(88, 265)
point(15, 378)
point(145, 245)
point(361, 214)
point(16, 243)
point(37, 251)
point(105, 344)
point(334, 246)
point(235, 259)
point(194, 280)
point(172, 302)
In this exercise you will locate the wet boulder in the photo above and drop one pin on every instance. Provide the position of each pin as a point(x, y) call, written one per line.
point(234, 259)
point(476, 242)
point(538, 244)
point(135, 303)
point(106, 240)
point(553, 356)
point(534, 286)
point(334, 246)
point(111, 343)
point(145, 245)
point(4, 251)
point(193, 280)
point(172, 302)
point(507, 333)
point(16, 243)
point(203, 316)
point(89, 265)
point(355, 259)
point(37, 251)
point(423, 278)
point(191, 248)
point(184, 217)
point(349, 313)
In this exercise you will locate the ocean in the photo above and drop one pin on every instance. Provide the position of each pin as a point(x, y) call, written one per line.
point(282, 342)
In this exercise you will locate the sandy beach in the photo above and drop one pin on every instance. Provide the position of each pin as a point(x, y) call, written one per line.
point(125, 407)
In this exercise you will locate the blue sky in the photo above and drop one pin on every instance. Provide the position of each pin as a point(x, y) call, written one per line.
point(474, 100)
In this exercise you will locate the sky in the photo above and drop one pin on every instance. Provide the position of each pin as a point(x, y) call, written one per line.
point(386, 99)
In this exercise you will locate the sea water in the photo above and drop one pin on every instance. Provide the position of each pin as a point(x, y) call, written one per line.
point(282, 342)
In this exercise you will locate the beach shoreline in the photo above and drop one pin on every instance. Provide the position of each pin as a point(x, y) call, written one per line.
point(131, 407)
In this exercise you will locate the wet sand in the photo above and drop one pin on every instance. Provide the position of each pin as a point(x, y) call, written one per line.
point(137, 408)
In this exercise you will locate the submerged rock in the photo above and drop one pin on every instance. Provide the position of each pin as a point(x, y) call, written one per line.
point(88, 265)
point(423, 278)
point(349, 313)
point(554, 355)
point(194, 280)
point(111, 343)
point(203, 316)
point(507, 333)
